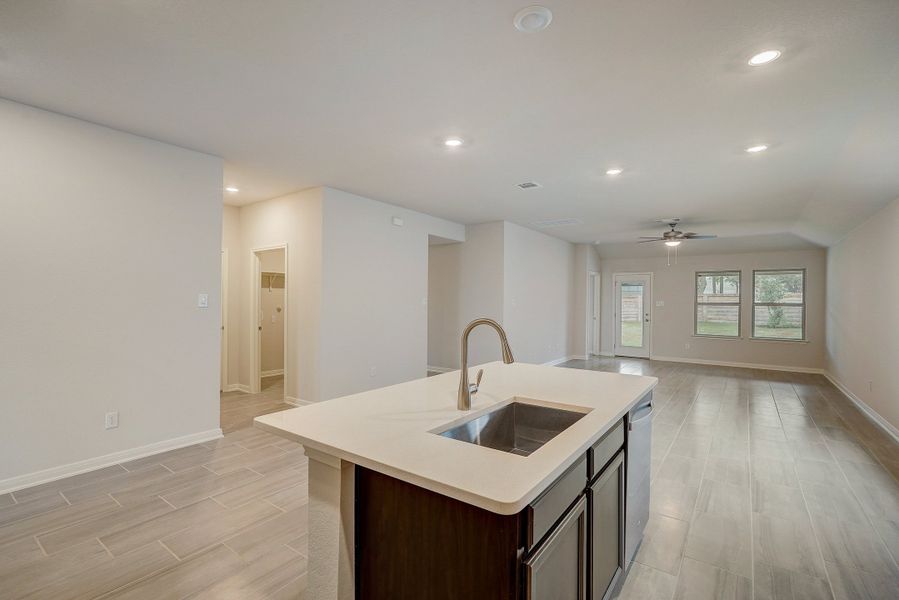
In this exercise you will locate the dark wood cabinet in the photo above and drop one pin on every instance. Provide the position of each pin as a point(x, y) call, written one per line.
point(606, 497)
point(568, 544)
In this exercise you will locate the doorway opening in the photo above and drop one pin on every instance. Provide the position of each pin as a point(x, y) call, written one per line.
point(633, 314)
point(269, 347)
point(594, 295)
point(223, 303)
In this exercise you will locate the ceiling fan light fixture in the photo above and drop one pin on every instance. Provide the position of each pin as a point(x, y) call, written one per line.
point(756, 149)
point(764, 57)
point(615, 171)
point(672, 243)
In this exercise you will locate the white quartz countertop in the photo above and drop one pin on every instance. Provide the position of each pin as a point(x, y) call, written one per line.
point(390, 430)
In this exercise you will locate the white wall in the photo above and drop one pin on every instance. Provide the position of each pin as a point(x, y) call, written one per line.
point(586, 262)
point(374, 320)
point(295, 219)
point(466, 282)
point(522, 278)
point(672, 324)
point(113, 236)
point(231, 244)
point(356, 288)
point(539, 294)
point(862, 319)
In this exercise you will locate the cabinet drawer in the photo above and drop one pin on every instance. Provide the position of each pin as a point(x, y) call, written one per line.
point(603, 450)
point(557, 569)
point(551, 505)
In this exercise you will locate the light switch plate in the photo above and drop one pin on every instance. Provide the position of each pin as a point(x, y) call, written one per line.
point(112, 420)
point(203, 301)
point(660, 303)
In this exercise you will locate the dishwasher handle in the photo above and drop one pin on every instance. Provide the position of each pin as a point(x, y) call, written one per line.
point(643, 414)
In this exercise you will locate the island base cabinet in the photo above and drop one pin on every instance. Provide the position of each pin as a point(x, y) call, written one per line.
point(607, 528)
point(556, 570)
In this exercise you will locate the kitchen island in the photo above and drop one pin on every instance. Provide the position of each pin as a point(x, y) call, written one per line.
point(392, 446)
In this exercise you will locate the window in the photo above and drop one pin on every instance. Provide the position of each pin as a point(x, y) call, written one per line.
point(718, 304)
point(778, 304)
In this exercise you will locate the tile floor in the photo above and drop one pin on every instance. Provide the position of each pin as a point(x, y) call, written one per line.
point(766, 485)
point(224, 519)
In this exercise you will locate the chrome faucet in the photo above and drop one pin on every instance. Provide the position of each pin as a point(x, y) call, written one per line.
point(467, 389)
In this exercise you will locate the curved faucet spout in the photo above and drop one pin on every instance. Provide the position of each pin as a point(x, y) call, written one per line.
point(466, 389)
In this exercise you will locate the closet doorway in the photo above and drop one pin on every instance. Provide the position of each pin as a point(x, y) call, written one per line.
point(269, 346)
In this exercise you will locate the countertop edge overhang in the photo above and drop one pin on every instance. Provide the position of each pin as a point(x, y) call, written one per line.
point(389, 430)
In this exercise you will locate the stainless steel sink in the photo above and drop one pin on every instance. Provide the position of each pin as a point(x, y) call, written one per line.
point(517, 427)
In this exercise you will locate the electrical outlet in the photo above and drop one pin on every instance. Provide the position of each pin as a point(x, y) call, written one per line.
point(112, 420)
point(373, 371)
point(686, 345)
point(203, 301)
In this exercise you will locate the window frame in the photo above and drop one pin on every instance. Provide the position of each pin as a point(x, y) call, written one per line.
point(738, 304)
point(803, 304)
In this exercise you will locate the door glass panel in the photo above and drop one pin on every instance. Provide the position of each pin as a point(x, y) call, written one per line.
point(631, 315)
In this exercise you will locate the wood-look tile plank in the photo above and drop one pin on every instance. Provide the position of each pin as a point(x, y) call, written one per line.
point(265, 486)
point(194, 515)
point(663, 543)
point(36, 575)
point(55, 519)
point(209, 487)
point(101, 525)
point(244, 460)
point(31, 507)
point(294, 590)
point(853, 545)
point(646, 583)
point(6, 500)
point(256, 540)
point(125, 481)
point(708, 542)
point(185, 578)
point(260, 578)
point(774, 583)
point(53, 487)
point(208, 533)
point(700, 581)
point(108, 576)
point(787, 543)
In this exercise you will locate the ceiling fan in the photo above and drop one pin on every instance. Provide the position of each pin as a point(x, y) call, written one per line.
point(674, 237)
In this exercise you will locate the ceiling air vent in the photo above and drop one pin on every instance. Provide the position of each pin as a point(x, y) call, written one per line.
point(529, 184)
point(547, 223)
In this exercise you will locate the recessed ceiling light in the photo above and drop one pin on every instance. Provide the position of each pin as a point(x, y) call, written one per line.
point(453, 142)
point(615, 171)
point(763, 58)
point(759, 148)
point(232, 189)
point(532, 19)
point(672, 243)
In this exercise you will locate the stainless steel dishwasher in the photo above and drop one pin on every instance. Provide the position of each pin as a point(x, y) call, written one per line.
point(639, 452)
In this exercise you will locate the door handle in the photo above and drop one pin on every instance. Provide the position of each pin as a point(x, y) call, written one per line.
point(260, 328)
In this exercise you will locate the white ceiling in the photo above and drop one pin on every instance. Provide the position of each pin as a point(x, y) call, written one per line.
point(358, 95)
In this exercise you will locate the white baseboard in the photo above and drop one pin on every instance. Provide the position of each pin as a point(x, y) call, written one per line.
point(92, 464)
point(297, 401)
point(742, 365)
point(559, 361)
point(872, 414)
point(272, 373)
point(441, 369)
point(234, 387)
point(607, 354)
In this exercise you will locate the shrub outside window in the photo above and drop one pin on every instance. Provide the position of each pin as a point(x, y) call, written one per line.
point(778, 304)
point(717, 311)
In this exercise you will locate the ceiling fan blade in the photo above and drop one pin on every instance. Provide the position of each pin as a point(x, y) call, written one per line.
point(647, 237)
point(652, 240)
point(694, 236)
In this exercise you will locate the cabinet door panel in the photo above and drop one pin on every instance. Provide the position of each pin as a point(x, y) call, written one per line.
point(607, 527)
point(557, 569)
